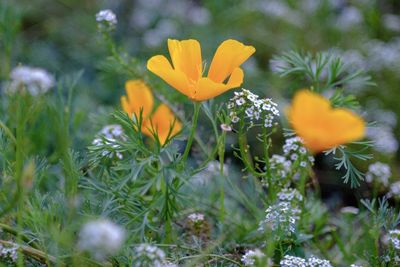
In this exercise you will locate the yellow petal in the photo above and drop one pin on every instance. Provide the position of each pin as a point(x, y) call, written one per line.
point(139, 97)
point(160, 66)
point(321, 126)
point(229, 55)
point(186, 57)
point(207, 89)
point(161, 121)
point(125, 105)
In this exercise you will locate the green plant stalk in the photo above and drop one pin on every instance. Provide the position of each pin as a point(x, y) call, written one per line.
point(221, 154)
point(19, 162)
point(192, 131)
point(244, 152)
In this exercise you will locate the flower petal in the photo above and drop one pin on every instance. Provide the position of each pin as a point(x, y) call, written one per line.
point(139, 97)
point(320, 126)
point(125, 105)
point(161, 121)
point(186, 57)
point(207, 89)
point(160, 66)
point(229, 55)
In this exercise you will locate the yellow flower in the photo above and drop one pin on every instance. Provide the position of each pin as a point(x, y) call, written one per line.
point(186, 72)
point(139, 97)
point(319, 125)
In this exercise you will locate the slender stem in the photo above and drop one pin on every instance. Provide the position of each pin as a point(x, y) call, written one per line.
point(19, 161)
point(192, 131)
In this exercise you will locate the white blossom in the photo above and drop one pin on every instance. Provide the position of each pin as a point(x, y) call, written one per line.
point(101, 238)
point(251, 256)
point(147, 255)
point(379, 172)
point(9, 253)
point(108, 136)
point(394, 238)
point(292, 261)
point(106, 18)
point(35, 80)
point(196, 217)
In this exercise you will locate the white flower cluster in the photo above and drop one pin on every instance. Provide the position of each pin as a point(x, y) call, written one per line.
point(379, 172)
point(281, 217)
point(9, 253)
point(34, 80)
point(106, 19)
point(101, 238)
point(196, 217)
point(289, 195)
point(394, 190)
point(150, 256)
point(394, 237)
point(108, 135)
point(384, 139)
point(247, 105)
point(280, 165)
point(294, 150)
point(251, 256)
point(292, 261)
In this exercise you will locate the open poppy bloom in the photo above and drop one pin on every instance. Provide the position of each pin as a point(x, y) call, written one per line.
point(186, 72)
point(319, 125)
point(140, 99)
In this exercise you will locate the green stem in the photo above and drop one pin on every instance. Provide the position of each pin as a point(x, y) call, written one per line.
point(19, 161)
point(192, 131)
point(245, 154)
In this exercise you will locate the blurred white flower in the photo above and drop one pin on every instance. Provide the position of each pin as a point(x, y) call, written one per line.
point(350, 210)
point(35, 80)
point(383, 55)
point(384, 139)
point(251, 256)
point(196, 217)
point(106, 18)
point(379, 172)
point(391, 22)
point(394, 190)
point(101, 238)
point(349, 17)
point(149, 255)
point(199, 15)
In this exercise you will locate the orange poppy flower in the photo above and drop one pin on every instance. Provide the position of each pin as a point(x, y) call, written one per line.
point(139, 97)
point(319, 125)
point(186, 72)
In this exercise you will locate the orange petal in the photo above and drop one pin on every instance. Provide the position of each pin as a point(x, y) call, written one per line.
point(125, 105)
point(207, 89)
point(161, 121)
point(229, 55)
point(139, 97)
point(160, 66)
point(186, 57)
point(320, 126)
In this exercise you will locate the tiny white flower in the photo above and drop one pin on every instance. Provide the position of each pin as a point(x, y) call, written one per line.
point(106, 18)
point(226, 127)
